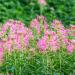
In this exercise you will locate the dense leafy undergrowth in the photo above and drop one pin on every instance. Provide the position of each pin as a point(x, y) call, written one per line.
point(30, 63)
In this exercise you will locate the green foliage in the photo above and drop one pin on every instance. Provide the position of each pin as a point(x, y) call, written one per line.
point(30, 63)
point(26, 10)
point(64, 10)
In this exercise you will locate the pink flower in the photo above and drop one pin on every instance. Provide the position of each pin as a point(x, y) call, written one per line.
point(42, 44)
point(63, 32)
point(73, 41)
point(45, 26)
point(63, 36)
point(56, 24)
point(21, 29)
point(66, 41)
point(8, 23)
point(17, 42)
point(42, 2)
point(9, 45)
point(70, 48)
point(13, 28)
point(54, 45)
point(1, 50)
point(53, 41)
point(12, 35)
point(26, 40)
point(19, 45)
point(45, 37)
point(5, 27)
point(35, 24)
point(30, 35)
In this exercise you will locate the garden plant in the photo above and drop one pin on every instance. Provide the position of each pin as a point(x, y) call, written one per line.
point(41, 48)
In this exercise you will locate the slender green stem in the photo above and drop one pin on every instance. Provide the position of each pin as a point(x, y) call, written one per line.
point(40, 10)
point(20, 64)
point(47, 62)
point(60, 61)
point(15, 64)
point(6, 56)
point(51, 64)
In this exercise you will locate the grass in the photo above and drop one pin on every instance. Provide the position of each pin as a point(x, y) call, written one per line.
point(36, 63)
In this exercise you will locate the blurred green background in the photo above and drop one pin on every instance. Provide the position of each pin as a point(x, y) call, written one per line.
point(26, 10)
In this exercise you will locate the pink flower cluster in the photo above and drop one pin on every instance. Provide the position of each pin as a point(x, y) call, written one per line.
point(14, 35)
point(42, 2)
point(63, 35)
point(54, 39)
point(17, 37)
